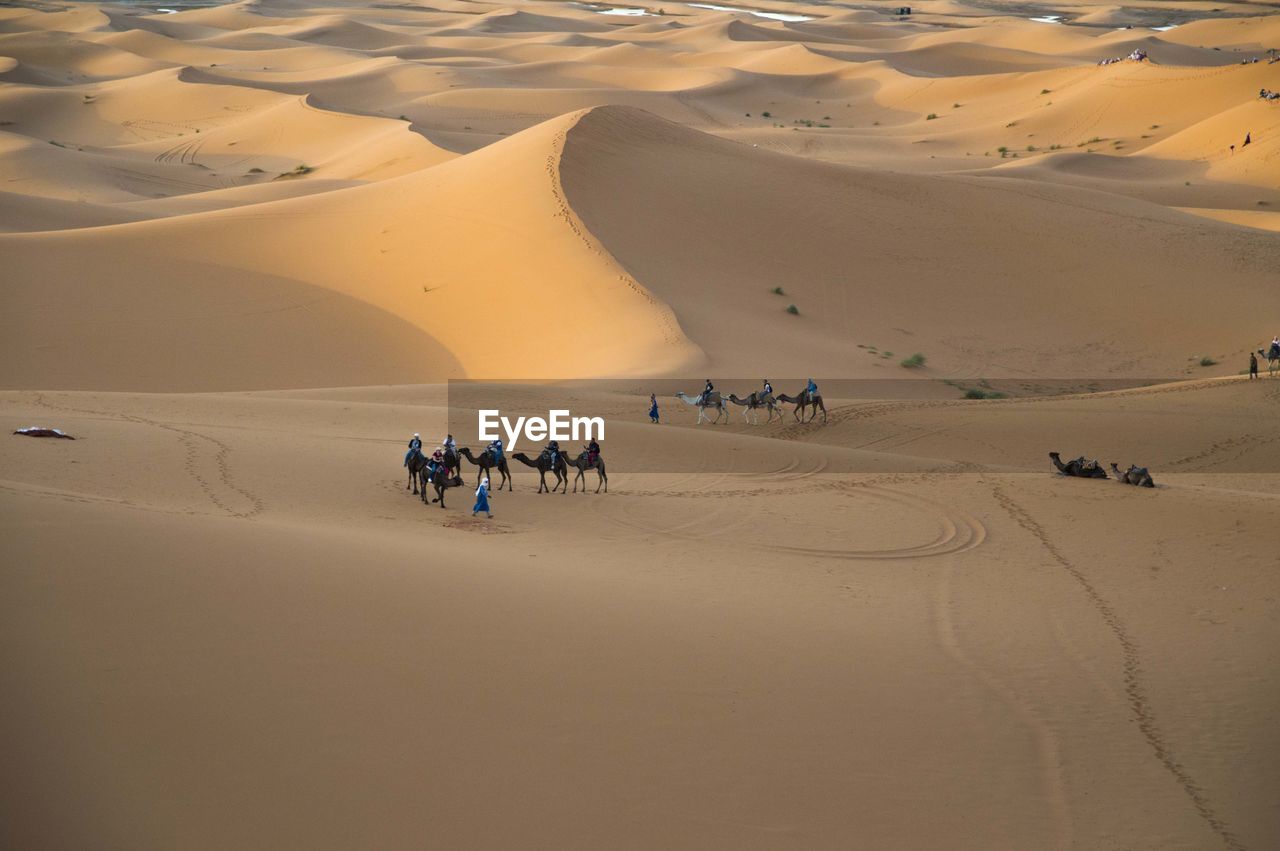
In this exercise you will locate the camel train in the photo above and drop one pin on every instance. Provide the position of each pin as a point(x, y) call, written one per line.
point(424, 475)
point(753, 403)
point(1092, 469)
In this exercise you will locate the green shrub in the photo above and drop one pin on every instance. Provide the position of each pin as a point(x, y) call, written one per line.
point(914, 362)
point(1207, 361)
point(793, 310)
point(777, 291)
point(931, 116)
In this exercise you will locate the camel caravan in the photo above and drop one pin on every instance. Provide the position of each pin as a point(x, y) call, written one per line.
point(1092, 469)
point(441, 470)
point(764, 399)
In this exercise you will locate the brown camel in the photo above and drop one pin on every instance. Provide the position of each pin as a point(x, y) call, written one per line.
point(802, 401)
point(1078, 467)
point(416, 464)
point(440, 484)
point(1135, 475)
point(543, 465)
point(485, 462)
point(754, 403)
point(1273, 360)
point(582, 465)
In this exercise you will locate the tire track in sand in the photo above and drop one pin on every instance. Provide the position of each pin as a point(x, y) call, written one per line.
point(1135, 690)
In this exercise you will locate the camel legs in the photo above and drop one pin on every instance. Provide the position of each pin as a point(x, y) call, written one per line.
point(604, 480)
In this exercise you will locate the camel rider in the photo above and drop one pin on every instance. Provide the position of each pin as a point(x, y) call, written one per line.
point(767, 391)
point(553, 451)
point(415, 446)
point(1275, 347)
point(707, 391)
point(593, 452)
point(495, 447)
point(450, 445)
point(811, 389)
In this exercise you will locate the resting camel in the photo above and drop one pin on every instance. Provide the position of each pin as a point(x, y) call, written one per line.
point(543, 465)
point(582, 465)
point(1079, 467)
point(1273, 361)
point(440, 484)
point(1135, 475)
point(754, 403)
point(715, 401)
point(485, 463)
point(803, 401)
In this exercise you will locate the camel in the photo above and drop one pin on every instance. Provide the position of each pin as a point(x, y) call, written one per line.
point(542, 465)
point(416, 464)
point(485, 463)
point(754, 403)
point(441, 484)
point(716, 401)
point(1273, 361)
point(1135, 475)
point(1079, 467)
point(582, 465)
point(803, 401)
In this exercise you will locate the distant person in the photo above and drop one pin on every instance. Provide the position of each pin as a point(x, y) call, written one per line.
point(415, 445)
point(593, 452)
point(653, 408)
point(812, 389)
point(553, 451)
point(1248, 138)
point(495, 447)
point(707, 391)
point(450, 445)
point(766, 392)
point(1253, 366)
point(1275, 347)
point(482, 499)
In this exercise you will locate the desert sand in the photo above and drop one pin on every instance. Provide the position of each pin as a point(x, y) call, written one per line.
point(246, 246)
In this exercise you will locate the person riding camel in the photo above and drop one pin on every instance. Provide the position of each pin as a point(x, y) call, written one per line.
point(811, 389)
point(415, 446)
point(767, 391)
point(553, 451)
point(495, 448)
point(450, 445)
point(593, 452)
point(1275, 347)
point(707, 391)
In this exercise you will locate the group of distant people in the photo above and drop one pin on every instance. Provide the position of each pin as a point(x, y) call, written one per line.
point(1267, 94)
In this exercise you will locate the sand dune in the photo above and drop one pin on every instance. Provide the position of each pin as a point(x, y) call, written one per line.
point(245, 246)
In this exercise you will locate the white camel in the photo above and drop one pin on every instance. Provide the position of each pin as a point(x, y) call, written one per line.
point(716, 401)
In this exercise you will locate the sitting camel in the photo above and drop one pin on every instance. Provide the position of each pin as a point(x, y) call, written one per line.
point(1079, 467)
point(582, 465)
point(543, 465)
point(1135, 475)
point(485, 462)
point(440, 484)
point(754, 403)
point(715, 400)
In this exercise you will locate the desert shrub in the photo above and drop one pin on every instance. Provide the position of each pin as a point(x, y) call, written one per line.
point(793, 310)
point(914, 362)
point(931, 116)
point(777, 291)
point(1207, 361)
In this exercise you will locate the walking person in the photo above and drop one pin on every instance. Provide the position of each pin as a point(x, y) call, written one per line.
point(1253, 366)
point(482, 499)
point(653, 408)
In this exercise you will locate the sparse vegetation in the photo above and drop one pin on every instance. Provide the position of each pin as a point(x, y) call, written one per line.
point(298, 171)
point(1012, 124)
point(955, 106)
point(1031, 147)
point(1207, 361)
point(766, 115)
point(777, 291)
point(404, 118)
point(931, 116)
point(1044, 91)
point(979, 393)
point(914, 362)
point(793, 310)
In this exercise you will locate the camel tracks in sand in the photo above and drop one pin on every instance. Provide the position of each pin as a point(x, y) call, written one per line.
point(1135, 690)
point(202, 452)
